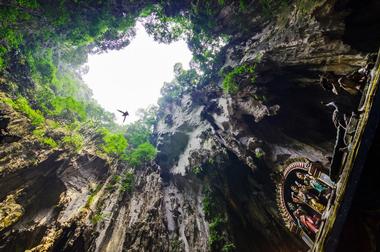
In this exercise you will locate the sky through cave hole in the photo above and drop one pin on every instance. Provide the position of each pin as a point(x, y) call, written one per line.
point(131, 78)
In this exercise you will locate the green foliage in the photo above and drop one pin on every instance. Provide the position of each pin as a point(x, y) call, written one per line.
point(184, 81)
point(74, 141)
point(49, 41)
point(22, 105)
point(145, 152)
point(34, 115)
point(99, 116)
point(164, 28)
point(229, 247)
point(3, 52)
point(193, 20)
point(66, 84)
point(96, 218)
point(271, 7)
point(91, 197)
point(197, 170)
point(113, 143)
point(259, 154)
point(305, 6)
point(32, 4)
point(116, 179)
point(139, 150)
point(230, 86)
point(49, 142)
point(127, 182)
point(243, 5)
point(212, 207)
point(42, 65)
point(38, 132)
point(215, 229)
point(137, 133)
point(209, 205)
point(140, 132)
point(68, 107)
point(231, 80)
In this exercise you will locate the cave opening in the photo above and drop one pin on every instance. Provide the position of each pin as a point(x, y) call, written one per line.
point(131, 78)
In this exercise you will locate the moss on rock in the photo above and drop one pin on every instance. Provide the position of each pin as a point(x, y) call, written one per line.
point(10, 212)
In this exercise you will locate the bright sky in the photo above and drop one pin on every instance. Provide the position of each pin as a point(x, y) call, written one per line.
point(131, 78)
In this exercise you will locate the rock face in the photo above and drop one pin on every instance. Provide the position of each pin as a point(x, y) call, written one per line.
point(210, 143)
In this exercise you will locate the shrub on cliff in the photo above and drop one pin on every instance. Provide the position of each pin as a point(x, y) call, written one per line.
point(127, 181)
point(143, 153)
point(113, 144)
point(74, 141)
point(22, 105)
point(231, 79)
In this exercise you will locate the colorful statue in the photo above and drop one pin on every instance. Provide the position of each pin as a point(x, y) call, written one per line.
point(316, 205)
point(317, 185)
point(311, 223)
point(299, 196)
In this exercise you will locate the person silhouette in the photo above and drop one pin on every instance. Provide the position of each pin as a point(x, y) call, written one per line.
point(124, 114)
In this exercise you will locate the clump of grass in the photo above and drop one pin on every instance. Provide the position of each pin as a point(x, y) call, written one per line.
point(91, 198)
point(96, 218)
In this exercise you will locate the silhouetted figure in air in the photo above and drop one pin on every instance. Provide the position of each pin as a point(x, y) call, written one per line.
point(124, 114)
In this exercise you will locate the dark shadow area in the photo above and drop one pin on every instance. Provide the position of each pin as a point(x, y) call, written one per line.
point(22, 240)
point(249, 198)
point(68, 233)
point(4, 137)
point(362, 25)
point(361, 232)
point(30, 175)
point(301, 116)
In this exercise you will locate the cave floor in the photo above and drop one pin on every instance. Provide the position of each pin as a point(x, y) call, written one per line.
point(351, 166)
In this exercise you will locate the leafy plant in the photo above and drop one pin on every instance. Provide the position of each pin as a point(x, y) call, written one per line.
point(212, 207)
point(209, 205)
point(197, 170)
point(96, 218)
point(231, 80)
point(145, 152)
point(259, 153)
point(127, 181)
point(113, 143)
point(49, 142)
point(124, 181)
point(215, 229)
point(68, 107)
point(91, 198)
point(74, 141)
point(116, 179)
point(229, 247)
point(22, 105)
